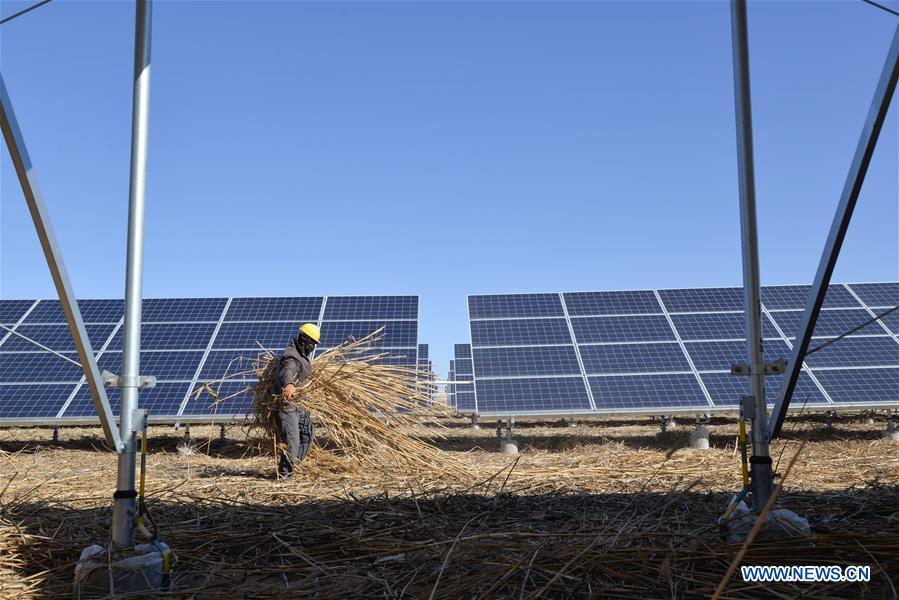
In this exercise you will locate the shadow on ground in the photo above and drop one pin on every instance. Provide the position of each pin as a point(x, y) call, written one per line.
point(556, 545)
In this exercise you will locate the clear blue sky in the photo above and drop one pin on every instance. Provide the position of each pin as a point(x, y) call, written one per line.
point(443, 149)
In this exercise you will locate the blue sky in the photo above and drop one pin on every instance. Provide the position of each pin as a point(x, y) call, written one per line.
point(443, 149)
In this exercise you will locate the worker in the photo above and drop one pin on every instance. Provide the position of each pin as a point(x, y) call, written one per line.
point(295, 424)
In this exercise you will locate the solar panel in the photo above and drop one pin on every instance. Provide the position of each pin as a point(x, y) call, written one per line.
point(182, 309)
point(638, 392)
point(718, 326)
point(178, 365)
point(861, 386)
point(520, 332)
point(703, 300)
point(654, 328)
point(232, 402)
point(185, 342)
point(877, 295)
point(395, 334)
point(464, 394)
point(33, 401)
point(422, 353)
point(532, 395)
point(254, 336)
point(719, 356)
point(169, 336)
point(785, 297)
point(515, 305)
point(55, 337)
point(13, 310)
point(162, 401)
point(640, 355)
point(22, 367)
point(510, 362)
point(298, 310)
point(340, 308)
point(612, 303)
point(615, 359)
point(855, 352)
point(830, 323)
point(726, 390)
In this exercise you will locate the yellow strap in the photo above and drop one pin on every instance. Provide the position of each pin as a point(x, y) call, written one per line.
point(744, 443)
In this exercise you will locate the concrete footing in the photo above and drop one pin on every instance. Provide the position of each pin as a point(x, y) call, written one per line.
point(699, 438)
point(668, 424)
point(474, 422)
point(891, 433)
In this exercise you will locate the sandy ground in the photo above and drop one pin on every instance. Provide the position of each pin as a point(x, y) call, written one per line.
point(609, 508)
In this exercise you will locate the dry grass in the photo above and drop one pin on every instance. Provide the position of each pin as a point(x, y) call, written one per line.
point(606, 509)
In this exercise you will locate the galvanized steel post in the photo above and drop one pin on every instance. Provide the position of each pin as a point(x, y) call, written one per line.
point(760, 461)
point(124, 507)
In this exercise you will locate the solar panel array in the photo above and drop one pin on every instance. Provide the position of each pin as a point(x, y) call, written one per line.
point(450, 388)
point(185, 342)
point(463, 393)
point(657, 351)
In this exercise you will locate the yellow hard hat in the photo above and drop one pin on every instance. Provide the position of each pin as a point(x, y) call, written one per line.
point(312, 331)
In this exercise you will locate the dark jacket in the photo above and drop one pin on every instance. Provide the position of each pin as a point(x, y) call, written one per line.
point(295, 365)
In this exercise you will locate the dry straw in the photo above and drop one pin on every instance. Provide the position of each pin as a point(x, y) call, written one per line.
point(375, 413)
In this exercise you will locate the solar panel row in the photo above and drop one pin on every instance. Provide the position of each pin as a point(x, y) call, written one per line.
point(648, 350)
point(185, 342)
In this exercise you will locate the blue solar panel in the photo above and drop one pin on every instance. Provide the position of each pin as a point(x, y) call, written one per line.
point(170, 336)
point(92, 311)
point(703, 299)
point(505, 362)
point(102, 310)
point(622, 329)
point(232, 400)
point(371, 308)
point(880, 295)
point(611, 303)
point(464, 398)
point(164, 400)
point(852, 386)
point(249, 336)
point(55, 337)
point(556, 394)
point(182, 309)
point(463, 367)
point(515, 305)
point(726, 390)
point(12, 310)
point(222, 363)
point(646, 392)
point(41, 401)
point(855, 352)
point(633, 358)
point(520, 332)
point(718, 326)
point(300, 309)
point(165, 366)
point(786, 297)
point(719, 356)
point(892, 322)
point(395, 334)
point(422, 352)
point(830, 323)
point(22, 367)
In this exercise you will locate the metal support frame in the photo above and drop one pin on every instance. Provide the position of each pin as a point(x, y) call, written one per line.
point(123, 525)
point(864, 150)
point(762, 479)
point(18, 152)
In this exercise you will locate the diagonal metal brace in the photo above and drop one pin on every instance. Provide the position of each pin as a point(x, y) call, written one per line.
point(18, 152)
point(864, 150)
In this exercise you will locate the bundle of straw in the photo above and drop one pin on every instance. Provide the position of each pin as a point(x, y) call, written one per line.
point(373, 412)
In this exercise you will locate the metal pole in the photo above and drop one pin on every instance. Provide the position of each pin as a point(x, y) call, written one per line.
point(21, 161)
point(760, 461)
point(124, 506)
point(864, 150)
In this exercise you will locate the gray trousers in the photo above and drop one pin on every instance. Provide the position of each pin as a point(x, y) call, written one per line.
point(297, 431)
